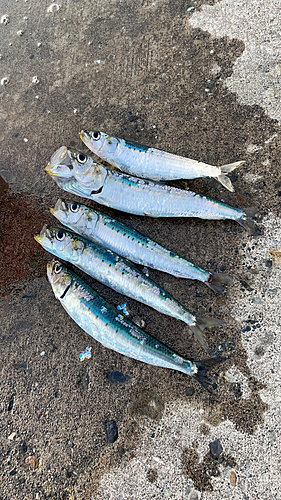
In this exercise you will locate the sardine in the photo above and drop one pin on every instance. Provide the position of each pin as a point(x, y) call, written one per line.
point(101, 320)
point(120, 275)
point(150, 163)
point(131, 244)
point(79, 174)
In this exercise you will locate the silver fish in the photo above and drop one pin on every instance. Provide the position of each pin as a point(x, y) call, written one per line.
point(121, 275)
point(131, 244)
point(150, 163)
point(101, 320)
point(79, 174)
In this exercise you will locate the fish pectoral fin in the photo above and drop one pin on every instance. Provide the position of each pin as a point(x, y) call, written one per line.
point(148, 214)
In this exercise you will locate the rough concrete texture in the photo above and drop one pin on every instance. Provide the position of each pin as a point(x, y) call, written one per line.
point(256, 73)
point(141, 71)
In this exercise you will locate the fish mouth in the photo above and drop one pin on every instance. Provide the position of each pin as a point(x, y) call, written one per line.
point(61, 163)
point(60, 209)
point(85, 136)
point(44, 238)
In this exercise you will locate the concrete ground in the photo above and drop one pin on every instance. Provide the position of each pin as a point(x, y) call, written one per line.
point(197, 79)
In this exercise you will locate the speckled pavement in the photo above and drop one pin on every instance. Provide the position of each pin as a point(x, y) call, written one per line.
point(200, 80)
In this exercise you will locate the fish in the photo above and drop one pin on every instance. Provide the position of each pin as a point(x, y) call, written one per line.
point(121, 275)
point(79, 174)
point(100, 319)
point(129, 243)
point(151, 163)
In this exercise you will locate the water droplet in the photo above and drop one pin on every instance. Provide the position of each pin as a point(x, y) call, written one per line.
point(35, 80)
point(5, 81)
point(20, 33)
point(54, 7)
point(5, 19)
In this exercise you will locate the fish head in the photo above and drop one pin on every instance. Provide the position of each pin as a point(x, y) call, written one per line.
point(61, 242)
point(101, 144)
point(89, 173)
point(59, 277)
point(75, 215)
point(68, 166)
point(61, 164)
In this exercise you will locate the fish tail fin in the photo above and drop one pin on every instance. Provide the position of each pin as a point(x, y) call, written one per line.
point(203, 322)
point(248, 223)
point(202, 367)
point(226, 169)
point(217, 280)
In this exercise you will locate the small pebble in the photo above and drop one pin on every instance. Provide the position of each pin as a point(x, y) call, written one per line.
point(35, 80)
point(138, 321)
point(75, 111)
point(216, 449)
point(32, 461)
point(54, 7)
point(116, 377)
point(25, 139)
point(111, 431)
point(232, 478)
point(5, 19)
point(12, 436)
point(189, 391)
point(42, 353)
point(39, 44)
point(151, 475)
point(23, 448)
point(20, 33)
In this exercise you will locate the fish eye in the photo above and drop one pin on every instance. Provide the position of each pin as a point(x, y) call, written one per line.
point(96, 136)
point(81, 158)
point(60, 235)
point(74, 207)
point(57, 268)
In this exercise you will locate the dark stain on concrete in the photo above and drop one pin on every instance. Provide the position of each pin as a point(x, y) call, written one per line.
point(153, 72)
point(22, 259)
point(201, 472)
point(147, 404)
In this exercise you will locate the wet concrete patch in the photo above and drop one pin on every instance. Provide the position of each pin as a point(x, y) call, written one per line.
point(22, 260)
point(202, 471)
point(147, 404)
